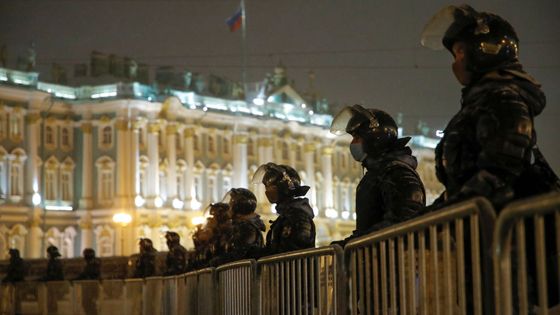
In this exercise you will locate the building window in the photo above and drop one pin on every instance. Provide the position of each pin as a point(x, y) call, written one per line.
point(298, 152)
point(50, 185)
point(16, 179)
point(225, 143)
point(197, 183)
point(251, 148)
point(66, 138)
point(66, 186)
point(211, 144)
point(49, 136)
point(16, 125)
point(196, 145)
point(141, 141)
point(178, 142)
point(107, 136)
point(226, 185)
point(285, 151)
point(212, 189)
point(3, 124)
point(105, 180)
point(106, 192)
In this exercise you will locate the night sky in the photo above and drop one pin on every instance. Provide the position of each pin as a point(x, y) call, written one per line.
point(361, 51)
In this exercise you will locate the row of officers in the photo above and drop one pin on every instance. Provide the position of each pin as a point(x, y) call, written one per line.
point(489, 148)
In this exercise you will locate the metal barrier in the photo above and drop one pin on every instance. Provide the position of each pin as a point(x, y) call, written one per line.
point(238, 288)
point(418, 266)
point(310, 281)
point(530, 263)
point(206, 291)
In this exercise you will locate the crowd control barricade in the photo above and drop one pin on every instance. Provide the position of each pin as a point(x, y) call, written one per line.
point(133, 299)
point(238, 288)
point(310, 281)
point(169, 306)
point(58, 296)
point(86, 297)
point(152, 295)
point(526, 250)
point(189, 300)
point(206, 291)
point(433, 264)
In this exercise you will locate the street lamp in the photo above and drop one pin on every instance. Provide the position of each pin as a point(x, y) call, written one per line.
point(123, 219)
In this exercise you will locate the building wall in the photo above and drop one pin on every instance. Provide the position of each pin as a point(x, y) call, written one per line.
point(162, 163)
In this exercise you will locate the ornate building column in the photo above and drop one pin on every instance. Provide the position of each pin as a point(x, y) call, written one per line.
point(86, 229)
point(171, 132)
point(308, 156)
point(35, 234)
point(264, 145)
point(135, 165)
point(86, 200)
point(32, 170)
point(188, 149)
point(240, 165)
point(292, 153)
point(326, 169)
point(124, 179)
point(153, 166)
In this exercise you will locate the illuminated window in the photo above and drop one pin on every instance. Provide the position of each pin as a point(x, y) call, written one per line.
point(50, 184)
point(225, 143)
point(105, 180)
point(211, 144)
point(250, 148)
point(16, 180)
point(16, 125)
point(107, 136)
point(106, 192)
point(285, 151)
point(66, 185)
point(3, 124)
point(49, 136)
point(196, 145)
point(141, 140)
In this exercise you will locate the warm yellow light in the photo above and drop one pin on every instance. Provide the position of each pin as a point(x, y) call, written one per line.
point(122, 218)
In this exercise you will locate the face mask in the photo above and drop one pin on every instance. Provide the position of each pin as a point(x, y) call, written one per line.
point(357, 151)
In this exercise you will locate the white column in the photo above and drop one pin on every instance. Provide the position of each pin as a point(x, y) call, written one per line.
point(86, 229)
point(35, 234)
point(135, 165)
point(152, 177)
point(188, 149)
point(326, 167)
point(32, 171)
point(264, 145)
point(171, 131)
point(86, 200)
point(292, 153)
point(240, 165)
point(308, 156)
point(123, 165)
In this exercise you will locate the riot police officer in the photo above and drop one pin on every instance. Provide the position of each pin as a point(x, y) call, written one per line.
point(16, 268)
point(391, 190)
point(92, 270)
point(219, 228)
point(294, 228)
point(146, 262)
point(247, 227)
point(54, 265)
point(177, 258)
point(488, 145)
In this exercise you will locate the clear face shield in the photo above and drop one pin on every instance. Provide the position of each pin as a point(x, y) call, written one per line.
point(343, 122)
point(447, 22)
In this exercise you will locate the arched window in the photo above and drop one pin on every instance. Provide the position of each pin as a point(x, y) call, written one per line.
point(211, 144)
point(107, 136)
point(105, 180)
point(65, 138)
point(49, 135)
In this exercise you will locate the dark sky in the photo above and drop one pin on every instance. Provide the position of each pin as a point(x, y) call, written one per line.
point(361, 51)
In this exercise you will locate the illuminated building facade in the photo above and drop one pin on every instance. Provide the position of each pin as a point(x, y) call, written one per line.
point(72, 157)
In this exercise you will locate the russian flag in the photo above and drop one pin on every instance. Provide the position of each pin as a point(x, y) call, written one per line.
point(234, 21)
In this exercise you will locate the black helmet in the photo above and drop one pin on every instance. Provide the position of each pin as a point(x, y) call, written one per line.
point(491, 41)
point(14, 253)
point(172, 237)
point(377, 128)
point(282, 176)
point(146, 245)
point(89, 253)
point(241, 200)
point(219, 211)
point(53, 251)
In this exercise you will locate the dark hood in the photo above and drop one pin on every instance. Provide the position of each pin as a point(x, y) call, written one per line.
point(399, 153)
point(527, 86)
point(254, 219)
point(296, 204)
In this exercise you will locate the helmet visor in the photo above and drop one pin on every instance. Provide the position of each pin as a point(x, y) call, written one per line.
point(227, 198)
point(340, 121)
point(437, 26)
point(259, 174)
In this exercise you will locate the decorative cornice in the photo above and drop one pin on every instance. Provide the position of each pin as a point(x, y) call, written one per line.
point(240, 139)
point(86, 127)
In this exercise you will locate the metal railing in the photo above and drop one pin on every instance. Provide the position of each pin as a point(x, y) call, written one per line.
point(308, 281)
point(418, 266)
point(533, 225)
point(238, 288)
point(440, 263)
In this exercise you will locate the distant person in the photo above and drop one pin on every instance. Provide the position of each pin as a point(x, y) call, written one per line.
point(391, 190)
point(92, 270)
point(146, 262)
point(16, 268)
point(54, 265)
point(489, 147)
point(294, 228)
point(219, 228)
point(177, 257)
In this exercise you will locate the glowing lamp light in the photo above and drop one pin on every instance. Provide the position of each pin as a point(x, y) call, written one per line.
point(158, 202)
point(331, 213)
point(36, 199)
point(122, 218)
point(345, 215)
point(195, 205)
point(139, 201)
point(204, 109)
point(439, 133)
point(303, 105)
point(177, 204)
point(198, 220)
point(272, 209)
point(311, 112)
point(258, 101)
point(354, 215)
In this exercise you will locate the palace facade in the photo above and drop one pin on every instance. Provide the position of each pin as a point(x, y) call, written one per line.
point(73, 157)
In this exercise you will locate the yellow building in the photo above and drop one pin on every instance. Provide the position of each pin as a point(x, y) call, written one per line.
point(73, 157)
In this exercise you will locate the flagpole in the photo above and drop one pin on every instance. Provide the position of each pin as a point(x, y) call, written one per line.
point(243, 47)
